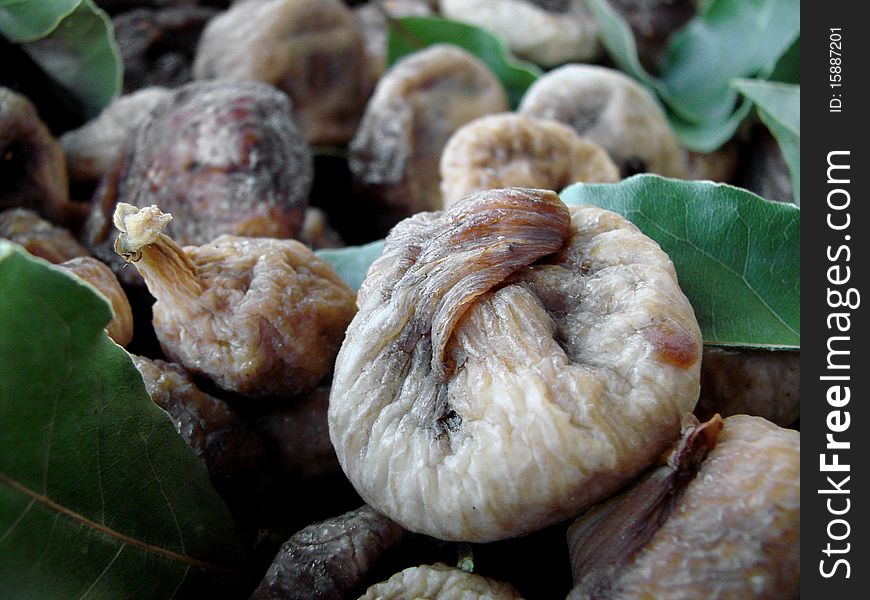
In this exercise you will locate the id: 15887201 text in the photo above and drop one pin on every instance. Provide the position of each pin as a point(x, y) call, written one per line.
point(835, 69)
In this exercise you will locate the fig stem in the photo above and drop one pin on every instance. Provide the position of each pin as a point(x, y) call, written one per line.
point(163, 264)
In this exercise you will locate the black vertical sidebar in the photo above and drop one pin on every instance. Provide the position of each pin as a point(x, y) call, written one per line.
point(835, 368)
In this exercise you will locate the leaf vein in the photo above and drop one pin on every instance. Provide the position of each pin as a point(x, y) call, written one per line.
point(34, 565)
point(84, 521)
point(163, 492)
point(180, 583)
point(99, 454)
point(103, 573)
point(15, 523)
point(729, 269)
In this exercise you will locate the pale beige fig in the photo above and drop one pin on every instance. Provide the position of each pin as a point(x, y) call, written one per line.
point(416, 107)
point(32, 165)
point(100, 276)
point(310, 49)
point(513, 150)
point(330, 559)
point(615, 112)
point(257, 316)
point(547, 32)
point(92, 148)
point(720, 520)
point(440, 582)
point(38, 236)
point(223, 157)
point(754, 382)
point(513, 361)
point(372, 18)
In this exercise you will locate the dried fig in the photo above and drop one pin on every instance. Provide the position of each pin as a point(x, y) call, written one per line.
point(258, 316)
point(442, 582)
point(158, 45)
point(91, 148)
point(329, 559)
point(32, 167)
point(311, 49)
point(755, 382)
point(552, 32)
point(297, 434)
point(38, 236)
point(237, 462)
point(612, 110)
point(215, 432)
point(222, 157)
point(512, 150)
point(416, 107)
point(720, 520)
point(100, 276)
point(513, 361)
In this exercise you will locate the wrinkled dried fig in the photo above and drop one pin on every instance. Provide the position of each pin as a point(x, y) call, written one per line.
point(720, 520)
point(215, 432)
point(311, 49)
point(91, 148)
point(512, 150)
point(612, 110)
point(513, 361)
point(329, 559)
point(38, 236)
point(257, 316)
point(755, 382)
point(236, 460)
point(100, 276)
point(415, 109)
point(32, 167)
point(441, 582)
point(222, 157)
point(297, 434)
point(547, 32)
point(157, 45)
